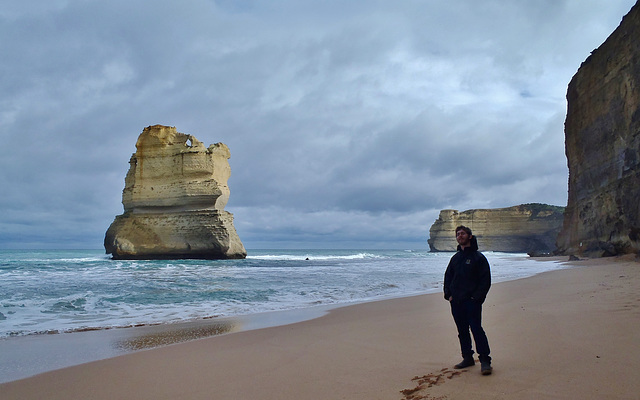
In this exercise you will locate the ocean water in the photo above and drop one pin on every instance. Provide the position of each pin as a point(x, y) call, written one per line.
point(65, 291)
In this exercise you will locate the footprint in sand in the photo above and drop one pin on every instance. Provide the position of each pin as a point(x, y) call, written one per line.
point(426, 381)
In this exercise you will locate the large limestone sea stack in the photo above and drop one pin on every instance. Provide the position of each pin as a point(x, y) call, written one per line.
point(174, 198)
point(602, 132)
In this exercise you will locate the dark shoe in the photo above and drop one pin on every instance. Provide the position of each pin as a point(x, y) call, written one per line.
point(485, 368)
point(466, 362)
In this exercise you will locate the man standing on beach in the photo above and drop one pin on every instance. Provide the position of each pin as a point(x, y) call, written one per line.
point(466, 284)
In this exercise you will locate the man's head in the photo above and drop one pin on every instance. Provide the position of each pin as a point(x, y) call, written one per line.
point(463, 236)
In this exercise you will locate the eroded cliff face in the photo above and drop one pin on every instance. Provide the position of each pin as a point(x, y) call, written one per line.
point(602, 132)
point(527, 228)
point(174, 198)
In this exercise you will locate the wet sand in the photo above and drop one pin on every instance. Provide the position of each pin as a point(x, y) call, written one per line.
point(25, 356)
point(564, 334)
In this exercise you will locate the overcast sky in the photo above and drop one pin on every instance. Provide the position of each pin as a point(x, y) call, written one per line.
point(351, 124)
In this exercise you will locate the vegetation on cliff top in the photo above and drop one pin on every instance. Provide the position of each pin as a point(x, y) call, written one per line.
point(537, 208)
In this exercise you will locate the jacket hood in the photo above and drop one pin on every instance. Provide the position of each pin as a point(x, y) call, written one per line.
point(473, 244)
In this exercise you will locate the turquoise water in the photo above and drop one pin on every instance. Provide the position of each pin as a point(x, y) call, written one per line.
point(64, 291)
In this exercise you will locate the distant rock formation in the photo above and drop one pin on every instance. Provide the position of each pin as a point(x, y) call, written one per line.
point(602, 132)
point(174, 198)
point(527, 228)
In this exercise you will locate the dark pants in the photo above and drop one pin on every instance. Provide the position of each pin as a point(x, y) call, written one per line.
point(468, 315)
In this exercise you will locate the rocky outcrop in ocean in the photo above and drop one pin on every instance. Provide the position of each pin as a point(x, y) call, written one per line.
point(602, 132)
point(174, 198)
point(527, 228)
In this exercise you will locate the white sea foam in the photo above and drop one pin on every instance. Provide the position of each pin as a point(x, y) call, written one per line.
point(312, 256)
point(67, 291)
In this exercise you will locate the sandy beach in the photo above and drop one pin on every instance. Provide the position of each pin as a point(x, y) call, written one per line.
point(564, 334)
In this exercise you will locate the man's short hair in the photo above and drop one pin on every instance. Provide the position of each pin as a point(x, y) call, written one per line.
point(464, 228)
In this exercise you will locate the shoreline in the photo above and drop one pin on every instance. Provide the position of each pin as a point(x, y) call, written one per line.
point(569, 333)
point(30, 355)
point(83, 299)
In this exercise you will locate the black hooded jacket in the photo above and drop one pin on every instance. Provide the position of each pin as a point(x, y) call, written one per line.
point(468, 276)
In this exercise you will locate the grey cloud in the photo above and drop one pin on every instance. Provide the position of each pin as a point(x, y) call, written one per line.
point(348, 123)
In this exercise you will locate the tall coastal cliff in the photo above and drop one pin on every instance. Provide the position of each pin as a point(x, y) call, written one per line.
point(527, 228)
point(602, 132)
point(174, 198)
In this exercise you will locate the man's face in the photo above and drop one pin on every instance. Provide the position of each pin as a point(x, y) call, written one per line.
point(463, 238)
